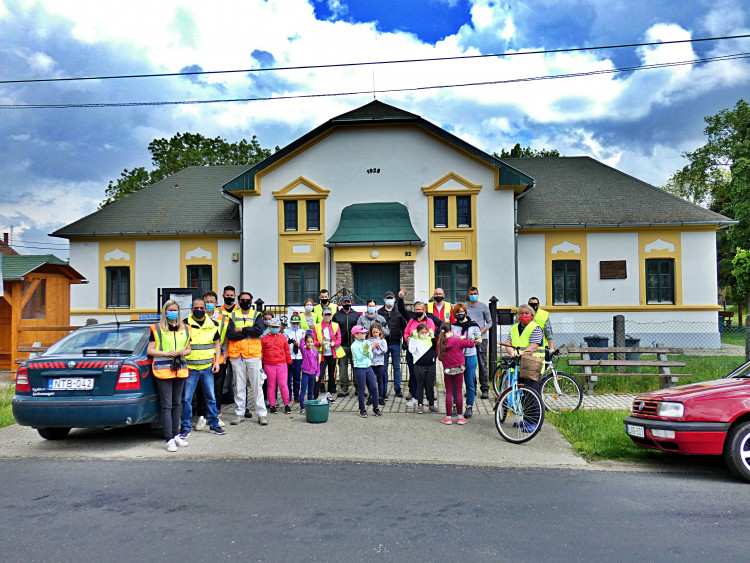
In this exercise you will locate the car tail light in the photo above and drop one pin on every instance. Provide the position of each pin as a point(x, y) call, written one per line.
point(22, 379)
point(128, 379)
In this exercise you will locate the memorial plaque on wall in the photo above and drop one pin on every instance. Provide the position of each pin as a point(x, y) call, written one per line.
point(613, 270)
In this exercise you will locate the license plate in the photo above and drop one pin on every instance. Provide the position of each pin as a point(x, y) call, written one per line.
point(636, 431)
point(71, 384)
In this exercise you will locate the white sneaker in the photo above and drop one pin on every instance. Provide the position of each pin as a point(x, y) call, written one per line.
point(221, 423)
point(411, 402)
point(180, 441)
point(201, 424)
point(171, 446)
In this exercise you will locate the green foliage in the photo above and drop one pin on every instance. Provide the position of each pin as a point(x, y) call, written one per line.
point(525, 152)
point(6, 412)
point(741, 272)
point(169, 156)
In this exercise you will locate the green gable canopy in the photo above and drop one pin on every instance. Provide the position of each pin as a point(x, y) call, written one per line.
point(364, 223)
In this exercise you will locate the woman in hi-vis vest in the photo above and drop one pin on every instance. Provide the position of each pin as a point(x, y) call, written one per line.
point(168, 345)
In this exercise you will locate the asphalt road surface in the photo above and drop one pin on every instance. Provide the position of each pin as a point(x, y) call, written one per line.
point(275, 510)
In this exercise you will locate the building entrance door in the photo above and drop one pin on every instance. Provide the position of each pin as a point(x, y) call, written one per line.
point(373, 280)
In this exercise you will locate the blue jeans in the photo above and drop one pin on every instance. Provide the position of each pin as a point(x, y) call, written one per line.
point(365, 376)
point(469, 373)
point(307, 388)
point(394, 355)
point(295, 371)
point(206, 378)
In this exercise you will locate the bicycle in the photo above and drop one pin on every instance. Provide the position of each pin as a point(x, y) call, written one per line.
point(519, 409)
point(560, 392)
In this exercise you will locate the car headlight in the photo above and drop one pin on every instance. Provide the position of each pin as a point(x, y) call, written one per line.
point(671, 410)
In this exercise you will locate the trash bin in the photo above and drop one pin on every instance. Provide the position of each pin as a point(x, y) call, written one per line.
point(631, 342)
point(597, 342)
point(317, 412)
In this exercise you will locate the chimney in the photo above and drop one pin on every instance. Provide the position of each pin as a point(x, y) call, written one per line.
point(5, 238)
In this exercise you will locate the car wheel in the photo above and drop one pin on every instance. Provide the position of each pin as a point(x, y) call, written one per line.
point(53, 433)
point(737, 450)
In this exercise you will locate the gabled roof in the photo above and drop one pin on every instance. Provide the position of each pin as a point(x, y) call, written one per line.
point(16, 267)
point(195, 207)
point(581, 191)
point(7, 250)
point(362, 223)
point(377, 112)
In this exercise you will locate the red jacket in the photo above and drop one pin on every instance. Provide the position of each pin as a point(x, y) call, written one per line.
point(275, 349)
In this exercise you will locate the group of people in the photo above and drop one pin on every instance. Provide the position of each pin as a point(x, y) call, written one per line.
point(301, 361)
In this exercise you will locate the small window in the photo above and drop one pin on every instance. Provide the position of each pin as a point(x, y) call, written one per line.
point(200, 277)
point(463, 211)
point(441, 212)
point(660, 281)
point(454, 278)
point(118, 287)
point(313, 215)
point(35, 307)
point(566, 282)
point(302, 281)
point(290, 215)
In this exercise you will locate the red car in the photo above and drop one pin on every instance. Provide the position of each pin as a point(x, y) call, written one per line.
point(708, 418)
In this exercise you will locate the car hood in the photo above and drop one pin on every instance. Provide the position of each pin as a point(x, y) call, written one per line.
point(697, 391)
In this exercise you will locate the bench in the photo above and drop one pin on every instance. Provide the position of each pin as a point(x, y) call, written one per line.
point(663, 364)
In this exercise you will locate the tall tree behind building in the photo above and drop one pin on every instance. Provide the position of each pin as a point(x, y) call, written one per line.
point(525, 152)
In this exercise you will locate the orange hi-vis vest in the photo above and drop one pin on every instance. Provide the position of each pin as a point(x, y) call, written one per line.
point(248, 347)
point(166, 341)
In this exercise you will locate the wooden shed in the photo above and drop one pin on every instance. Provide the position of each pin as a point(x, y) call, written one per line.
point(35, 306)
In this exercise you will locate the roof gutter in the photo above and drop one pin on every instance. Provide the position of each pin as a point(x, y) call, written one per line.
point(516, 226)
point(149, 234)
point(375, 243)
point(622, 225)
point(233, 199)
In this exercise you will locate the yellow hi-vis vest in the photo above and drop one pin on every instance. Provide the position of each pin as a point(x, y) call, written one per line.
point(166, 341)
point(522, 339)
point(333, 327)
point(249, 347)
point(540, 318)
point(202, 350)
point(446, 311)
point(317, 311)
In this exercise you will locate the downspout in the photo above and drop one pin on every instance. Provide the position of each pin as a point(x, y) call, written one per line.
point(516, 226)
point(233, 199)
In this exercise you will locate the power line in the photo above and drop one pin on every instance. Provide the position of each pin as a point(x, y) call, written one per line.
point(383, 91)
point(36, 241)
point(386, 62)
point(14, 245)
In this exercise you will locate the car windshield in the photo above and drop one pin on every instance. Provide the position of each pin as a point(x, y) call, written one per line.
point(742, 371)
point(104, 339)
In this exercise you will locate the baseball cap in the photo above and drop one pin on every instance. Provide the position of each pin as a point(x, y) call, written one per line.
point(388, 294)
point(358, 328)
point(327, 311)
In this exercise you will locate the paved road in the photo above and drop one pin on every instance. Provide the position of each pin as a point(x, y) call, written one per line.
point(272, 510)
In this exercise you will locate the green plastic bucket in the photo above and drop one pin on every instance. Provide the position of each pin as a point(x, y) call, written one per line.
point(315, 412)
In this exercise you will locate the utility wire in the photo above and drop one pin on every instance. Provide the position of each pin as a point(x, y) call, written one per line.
point(387, 62)
point(383, 91)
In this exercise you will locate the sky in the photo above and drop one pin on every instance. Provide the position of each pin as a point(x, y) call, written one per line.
point(56, 163)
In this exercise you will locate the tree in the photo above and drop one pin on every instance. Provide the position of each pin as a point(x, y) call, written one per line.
point(741, 272)
point(169, 156)
point(525, 152)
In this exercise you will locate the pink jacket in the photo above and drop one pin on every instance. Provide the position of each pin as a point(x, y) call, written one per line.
point(412, 325)
point(454, 351)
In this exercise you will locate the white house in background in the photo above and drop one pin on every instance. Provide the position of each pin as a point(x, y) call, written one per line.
point(379, 197)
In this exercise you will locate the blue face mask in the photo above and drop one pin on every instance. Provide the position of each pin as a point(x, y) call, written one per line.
point(173, 315)
point(473, 298)
point(371, 310)
point(275, 330)
point(389, 302)
point(210, 307)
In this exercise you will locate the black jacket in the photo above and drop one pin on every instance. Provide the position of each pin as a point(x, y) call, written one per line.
point(346, 321)
point(408, 315)
point(254, 331)
point(396, 323)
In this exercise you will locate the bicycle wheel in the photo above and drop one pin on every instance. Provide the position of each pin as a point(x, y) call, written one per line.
point(519, 415)
point(497, 378)
point(566, 396)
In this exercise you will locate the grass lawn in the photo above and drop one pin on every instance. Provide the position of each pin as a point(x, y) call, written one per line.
point(734, 335)
point(703, 368)
point(6, 415)
point(600, 434)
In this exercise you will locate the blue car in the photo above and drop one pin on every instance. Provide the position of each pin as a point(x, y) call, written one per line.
point(96, 377)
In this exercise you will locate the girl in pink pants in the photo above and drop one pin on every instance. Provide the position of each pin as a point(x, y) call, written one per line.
point(276, 357)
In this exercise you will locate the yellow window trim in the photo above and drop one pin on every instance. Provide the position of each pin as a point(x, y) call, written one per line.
point(670, 237)
point(554, 239)
point(317, 191)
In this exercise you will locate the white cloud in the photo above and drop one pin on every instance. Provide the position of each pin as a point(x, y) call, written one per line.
point(3, 9)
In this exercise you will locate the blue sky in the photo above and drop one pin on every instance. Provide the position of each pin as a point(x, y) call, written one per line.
point(55, 164)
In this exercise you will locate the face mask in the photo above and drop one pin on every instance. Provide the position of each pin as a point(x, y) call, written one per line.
point(173, 315)
point(199, 314)
point(327, 319)
point(460, 316)
point(419, 314)
point(295, 326)
point(228, 301)
point(535, 306)
point(308, 308)
point(346, 307)
point(439, 298)
point(422, 336)
point(324, 301)
point(275, 330)
point(473, 298)
point(389, 302)
point(245, 304)
point(371, 310)
point(525, 319)
point(210, 307)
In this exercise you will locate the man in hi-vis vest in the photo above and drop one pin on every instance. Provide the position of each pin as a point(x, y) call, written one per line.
point(541, 317)
point(440, 308)
point(202, 363)
point(244, 331)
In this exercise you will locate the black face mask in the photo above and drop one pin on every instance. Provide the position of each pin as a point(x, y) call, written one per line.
point(346, 307)
point(535, 306)
point(460, 316)
point(199, 314)
point(439, 298)
point(228, 301)
point(245, 304)
point(420, 315)
point(324, 301)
